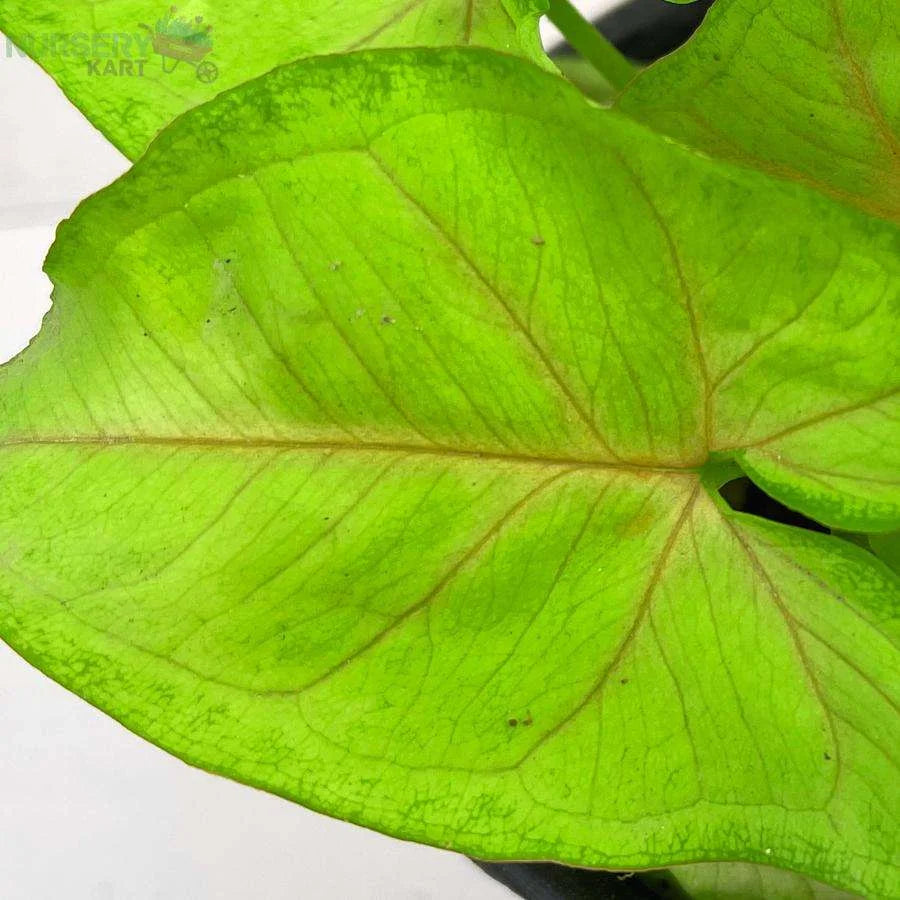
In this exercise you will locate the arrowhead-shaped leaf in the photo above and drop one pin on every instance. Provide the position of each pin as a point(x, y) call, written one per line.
point(108, 59)
point(370, 455)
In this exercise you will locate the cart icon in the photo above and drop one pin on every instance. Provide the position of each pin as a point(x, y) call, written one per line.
point(178, 40)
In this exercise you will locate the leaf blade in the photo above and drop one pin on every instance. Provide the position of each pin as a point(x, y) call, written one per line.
point(577, 548)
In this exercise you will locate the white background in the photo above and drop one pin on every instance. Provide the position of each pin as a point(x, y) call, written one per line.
point(88, 811)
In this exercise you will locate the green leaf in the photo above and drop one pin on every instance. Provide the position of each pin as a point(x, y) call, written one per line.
point(808, 91)
point(374, 462)
point(104, 57)
point(887, 548)
point(739, 881)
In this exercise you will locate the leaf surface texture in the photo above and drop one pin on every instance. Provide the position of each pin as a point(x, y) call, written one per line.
point(374, 462)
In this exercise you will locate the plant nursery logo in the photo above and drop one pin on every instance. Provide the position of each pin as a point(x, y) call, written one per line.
point(177, 40)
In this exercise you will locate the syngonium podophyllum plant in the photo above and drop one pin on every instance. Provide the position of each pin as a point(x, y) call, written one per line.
point(371, 451)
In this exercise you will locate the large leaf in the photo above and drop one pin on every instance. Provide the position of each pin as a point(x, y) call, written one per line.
point(370, 463)
point(104, 58)
point(802, 90)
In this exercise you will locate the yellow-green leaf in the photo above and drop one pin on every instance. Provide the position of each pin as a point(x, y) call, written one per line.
point(372, 462)
point(371, 455)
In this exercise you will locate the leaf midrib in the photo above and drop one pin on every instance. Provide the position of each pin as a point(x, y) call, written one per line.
point(213, 443)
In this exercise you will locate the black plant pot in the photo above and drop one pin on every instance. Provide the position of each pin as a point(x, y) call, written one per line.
point(644, 30)
point(547, 881)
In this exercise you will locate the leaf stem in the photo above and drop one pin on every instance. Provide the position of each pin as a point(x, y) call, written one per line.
point(595, 48)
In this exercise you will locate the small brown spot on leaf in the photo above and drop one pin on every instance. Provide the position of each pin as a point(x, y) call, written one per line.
point(623, 681)
point(538, 241)
point(513, 723)
point(388, 320)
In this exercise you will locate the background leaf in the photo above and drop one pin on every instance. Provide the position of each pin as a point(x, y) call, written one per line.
point(887, 548)
point(249, 39)
point(802, 90)
point(737, 881)
point(375, 450)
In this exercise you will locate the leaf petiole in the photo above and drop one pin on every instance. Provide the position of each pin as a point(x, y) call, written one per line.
point(595, 48)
